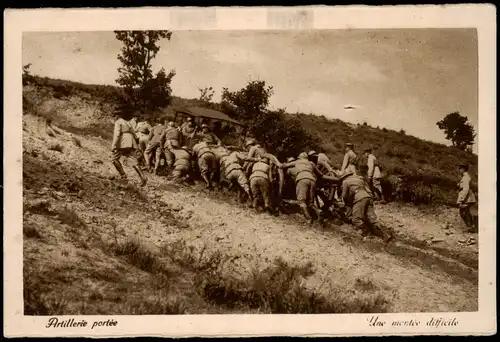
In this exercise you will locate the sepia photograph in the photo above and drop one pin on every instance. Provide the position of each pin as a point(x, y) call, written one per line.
point(264, 172)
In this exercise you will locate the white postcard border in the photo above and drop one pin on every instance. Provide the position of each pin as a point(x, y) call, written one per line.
point(319, 17)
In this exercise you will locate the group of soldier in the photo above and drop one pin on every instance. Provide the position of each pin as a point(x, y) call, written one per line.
point(251, 172)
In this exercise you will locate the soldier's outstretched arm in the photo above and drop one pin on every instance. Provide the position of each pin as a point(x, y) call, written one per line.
point(345, 189)
point(286, 165)
point(331, 178)
point(345, 162)
point(251, 159)
point(116, 135)
point(219, 142)
point(317, 171)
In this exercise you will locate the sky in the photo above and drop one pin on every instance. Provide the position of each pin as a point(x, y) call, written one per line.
point(399, 79)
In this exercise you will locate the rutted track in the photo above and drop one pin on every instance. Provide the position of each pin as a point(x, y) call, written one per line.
point(340, 255)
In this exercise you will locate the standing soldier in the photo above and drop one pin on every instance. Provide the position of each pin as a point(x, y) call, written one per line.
point(206, 162)
point(172, 140)
point(466, 200)
point(350, 159)
point(125, 144)
point(155, 145)
point(306, 174)
point(358, 198)
point(260, 184)
point(182, 164)
point(374, 175)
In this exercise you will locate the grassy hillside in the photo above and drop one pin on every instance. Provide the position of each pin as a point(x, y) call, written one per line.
point(95, 245)
point(430, 169)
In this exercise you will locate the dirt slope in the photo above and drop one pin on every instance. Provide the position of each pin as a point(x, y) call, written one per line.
point(74, 215)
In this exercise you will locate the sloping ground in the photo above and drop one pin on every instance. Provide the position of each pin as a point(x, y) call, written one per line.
point(117, 248)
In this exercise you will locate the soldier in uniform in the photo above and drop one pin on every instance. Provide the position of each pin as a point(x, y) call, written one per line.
point(172, 140)
point(188, 129)
point(142, 130)
point(306, 174)
point(316, 158)
point(254, 151)
point(182, 164)
point(206, 162)
point(350, 159)
point(466, 200)
point(233, 172)
point(373, 174)
point(155, 145)
point(358, 198)
point(208, 136)
point(125, 145)
point(260, 184)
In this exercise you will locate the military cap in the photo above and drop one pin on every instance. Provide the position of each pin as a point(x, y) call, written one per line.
point(302, 155)
point(463, 166)
point(349, 144)
point(311, 153)
point(250, 142)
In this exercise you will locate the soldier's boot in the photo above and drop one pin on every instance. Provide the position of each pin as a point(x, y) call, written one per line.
point(207, 180)
point(254, 203)
point(147, 160)
point(119, 167)
point(383, 232)
point(305, 211)
point(249, 194)
point(319, 213)
point(143, 178)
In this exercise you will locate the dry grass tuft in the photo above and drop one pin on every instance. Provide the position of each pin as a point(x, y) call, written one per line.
point(280, 289)
point(31, 232)
point(139, 256)
point(158, 306)
point(39, 302)
point(276, 289)
point(56, 147)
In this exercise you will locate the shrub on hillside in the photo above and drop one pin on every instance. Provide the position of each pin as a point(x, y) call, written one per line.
point(282, 135)
point(280, 289)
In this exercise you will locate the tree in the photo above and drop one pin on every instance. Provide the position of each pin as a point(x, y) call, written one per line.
point(279, 132)
point(142, 89)
point(457, 130)
point(247, 102)
point(206, 94)
point(27, 77)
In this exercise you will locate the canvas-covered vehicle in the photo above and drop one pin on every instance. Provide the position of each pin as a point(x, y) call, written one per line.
point(218, 122)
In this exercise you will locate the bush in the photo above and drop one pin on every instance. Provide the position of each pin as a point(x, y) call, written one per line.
point(279, 289)
point(56, 147)
point(283, 136)
point(37, 301)
point(138, 255)
point(31, 232)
